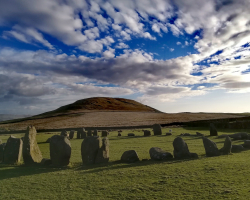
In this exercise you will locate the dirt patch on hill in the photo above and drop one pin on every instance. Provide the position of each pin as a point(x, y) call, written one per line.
point(112, 119)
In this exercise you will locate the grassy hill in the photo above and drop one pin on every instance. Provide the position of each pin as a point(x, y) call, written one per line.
point(101, 104)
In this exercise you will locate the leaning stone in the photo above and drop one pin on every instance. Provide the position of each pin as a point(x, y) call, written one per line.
point(13, 150)
point(226, 149)
point(237, 148)
point(60, 150)
point(246, 144)
point(95, 133)
point(31, 151)
point(210, 147)
point(105, 133)
point(89, 133)
point(157, 129)
point(2, 146)
point(71, 134)
point(131, 134)
point(103, 152)
point(129, 156)
point(146, 133)
point(89, 149)
point(213, 131)
point(181, 150)
point(157, 153)
point(46, 161)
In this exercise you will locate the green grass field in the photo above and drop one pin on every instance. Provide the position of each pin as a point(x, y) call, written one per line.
point(223, 177)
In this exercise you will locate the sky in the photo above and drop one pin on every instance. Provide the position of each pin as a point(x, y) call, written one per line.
point(173, 55)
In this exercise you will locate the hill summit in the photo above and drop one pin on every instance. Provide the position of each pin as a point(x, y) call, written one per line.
point(104, 104)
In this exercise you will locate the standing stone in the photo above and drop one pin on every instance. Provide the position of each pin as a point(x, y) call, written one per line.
point(95, 133)
point(105, 133)
point(129, 156)
point(213, 131)
point(131, 134)
point(103, 152)
point(157, 129)
point(89, 133)
point(89, 149)
point(78, 134)
point(13, 150)
point(119, 134)
point(157, 153)
point(81, 134)
point(60, 150)
point(64, 133)
point(31, 151)
point(180, 148)
point(2, 146)
point(210, 147)
point(168, 134)
point(71, 134)
point(146, 133)
point(226, 149)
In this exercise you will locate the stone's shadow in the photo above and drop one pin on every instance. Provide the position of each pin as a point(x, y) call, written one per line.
point(120, 165)
point(13, 171)
point(184, 137)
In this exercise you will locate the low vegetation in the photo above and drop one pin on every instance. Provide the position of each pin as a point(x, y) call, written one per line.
point(223, 177)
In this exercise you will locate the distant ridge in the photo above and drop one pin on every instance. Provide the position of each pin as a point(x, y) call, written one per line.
point(102, 104)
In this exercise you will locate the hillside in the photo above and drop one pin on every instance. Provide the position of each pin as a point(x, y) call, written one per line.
point(101, 104)
point(105, 112)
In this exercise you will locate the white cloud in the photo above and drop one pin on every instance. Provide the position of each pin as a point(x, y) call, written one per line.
point(125, 35)
point(92, 33)
point(92, 46)
point(147, 35)
point(27, 35)
point(121, 45)
point(109, 53)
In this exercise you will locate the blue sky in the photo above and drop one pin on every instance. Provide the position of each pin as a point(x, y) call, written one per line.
point(177, 56)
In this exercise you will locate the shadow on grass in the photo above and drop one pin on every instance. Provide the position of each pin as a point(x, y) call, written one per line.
point(191, 137)
point(120, 165)
point(13, 171)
